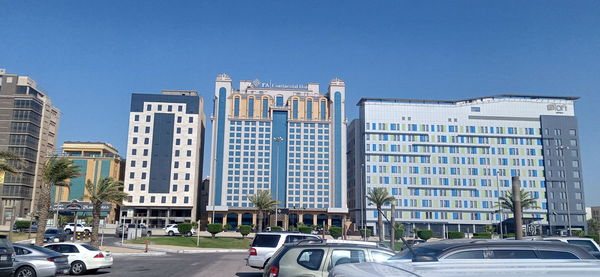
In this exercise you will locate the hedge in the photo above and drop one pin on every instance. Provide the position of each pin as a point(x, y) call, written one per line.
point(456, 235)
point(367, 231)
point(184, 228)
point(482, 235)
point(22, 224)
point(276, 228)
point(335, 231)
point(305, 229)
point(245, 230)
point(424, 234)
point(214, 229)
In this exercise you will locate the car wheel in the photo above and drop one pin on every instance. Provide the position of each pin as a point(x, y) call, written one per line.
point(149, 233)
point(25, 271)
point(171, 233)
point(189, 234)
point(78, 268)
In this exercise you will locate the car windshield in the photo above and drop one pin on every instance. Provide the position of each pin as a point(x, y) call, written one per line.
point(89, 247)
point(5, 243)
point(406, 254)
point(586, 244)
point(265, 240)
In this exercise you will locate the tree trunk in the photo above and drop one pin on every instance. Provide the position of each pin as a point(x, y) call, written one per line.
point(95, 223)
point(260, 221)
point(43, 208)
point(380, 223)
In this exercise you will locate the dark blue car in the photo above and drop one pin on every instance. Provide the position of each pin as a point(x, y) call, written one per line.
point(54, 235)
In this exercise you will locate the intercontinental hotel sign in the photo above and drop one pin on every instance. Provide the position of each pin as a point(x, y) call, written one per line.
point(258, 84)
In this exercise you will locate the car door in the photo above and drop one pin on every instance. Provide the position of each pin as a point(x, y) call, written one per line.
point(340, 256)
point(309, 262)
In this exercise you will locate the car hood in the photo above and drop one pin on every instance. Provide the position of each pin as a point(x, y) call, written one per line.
point(464, 268)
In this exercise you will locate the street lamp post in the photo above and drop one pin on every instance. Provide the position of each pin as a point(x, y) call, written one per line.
point(362, 201)
point(499, 204)
point(277, 141)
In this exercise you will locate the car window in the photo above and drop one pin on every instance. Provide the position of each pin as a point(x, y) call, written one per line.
point(266, 240)
point(379, 257)
point(588, 245)
point(296, 238)
point(512, 254)
point(64, 248)
point(51, 231)
point(21, 251)
point(347, 256)
point(311, 258)
point(549, 254)
point(419, 251)
point(53, 248)
point(89, 247)
point(471, 254)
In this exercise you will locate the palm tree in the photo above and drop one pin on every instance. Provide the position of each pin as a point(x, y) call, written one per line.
point(54, 173)
point(6, 156)
point(379, 196)
point(527, 202)
point(106, 190)
point(263, 201)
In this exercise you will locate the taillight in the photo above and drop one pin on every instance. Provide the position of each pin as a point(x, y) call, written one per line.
point(99, 255)
point(274, 271)
point(252, 252)
point(50, 259)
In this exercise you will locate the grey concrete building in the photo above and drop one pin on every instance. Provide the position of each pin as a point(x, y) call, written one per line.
point(28, 127)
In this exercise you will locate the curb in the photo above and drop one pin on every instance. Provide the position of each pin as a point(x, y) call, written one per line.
point(185, 251)
point(138, 254)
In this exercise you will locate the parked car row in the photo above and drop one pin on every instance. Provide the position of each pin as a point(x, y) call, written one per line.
point(21, 260)
point(282, 254)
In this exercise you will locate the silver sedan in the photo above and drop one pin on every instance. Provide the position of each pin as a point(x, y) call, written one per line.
point(33, 261)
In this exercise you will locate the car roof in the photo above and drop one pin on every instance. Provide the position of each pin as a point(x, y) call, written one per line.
point(283, 233)
point(448, 245)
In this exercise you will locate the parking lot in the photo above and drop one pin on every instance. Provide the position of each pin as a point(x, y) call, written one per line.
point(174, 265)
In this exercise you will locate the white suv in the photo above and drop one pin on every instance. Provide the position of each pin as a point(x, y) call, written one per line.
point(70, 228)
point(172, 230)
point(587, 243)
point(265, 244)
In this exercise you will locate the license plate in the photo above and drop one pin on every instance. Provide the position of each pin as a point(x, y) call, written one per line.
point(3, 257)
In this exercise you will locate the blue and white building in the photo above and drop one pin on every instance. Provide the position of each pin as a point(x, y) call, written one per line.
point(288, 139)
point(447, 162)
point(165, 149)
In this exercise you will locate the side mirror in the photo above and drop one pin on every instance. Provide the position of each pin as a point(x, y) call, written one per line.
point(423, 258)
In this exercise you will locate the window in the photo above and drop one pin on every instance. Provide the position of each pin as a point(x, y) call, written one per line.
point(141, 199)
point(573, 142)
point(148, 118)
point(572, 132)
point(380, 257)
point(21, 251)
point(472, 254)
point(547, 254)
point(311, 258)
point(512, 254)
point(130, 187)
point(186, 200)
point(279, 101)
point(136, 117)
point(191, 120)
point(339, 257)
point(588, 245)
point(476, 109)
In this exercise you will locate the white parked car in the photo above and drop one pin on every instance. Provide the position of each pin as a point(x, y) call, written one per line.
point(83, 257)
point(70, 228)
point(264, 246)
point(172, 230)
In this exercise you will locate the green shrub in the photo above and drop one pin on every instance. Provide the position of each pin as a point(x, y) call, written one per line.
point(579, 233)
point(227, 227)
point(214, 229)
point(304, 229)
point(424, 234)
point(509, 235)
point(399, 232)
point(456, 235)
point(482, 235)
point(22, 224)
point(366, 232)
point(276, 228)
point(184, 228)
point(245, 230)
point(335, 231)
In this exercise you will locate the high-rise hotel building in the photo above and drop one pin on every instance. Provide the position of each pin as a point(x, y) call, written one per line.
point(164, 157)
point(28, 127)
point(288, 139)
point(446, 162)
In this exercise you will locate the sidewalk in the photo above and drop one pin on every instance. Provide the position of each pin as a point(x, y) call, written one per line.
point(180, 249)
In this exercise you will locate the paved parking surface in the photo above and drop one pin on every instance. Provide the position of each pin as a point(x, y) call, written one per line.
point(175, 265)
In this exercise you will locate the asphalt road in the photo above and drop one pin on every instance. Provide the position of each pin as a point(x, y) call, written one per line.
point(175, 265)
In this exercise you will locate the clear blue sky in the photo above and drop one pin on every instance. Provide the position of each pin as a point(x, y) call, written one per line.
point(89, 56)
